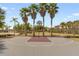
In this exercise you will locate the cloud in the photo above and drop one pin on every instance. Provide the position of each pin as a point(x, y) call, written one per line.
point(75, 14)
point(5, 8)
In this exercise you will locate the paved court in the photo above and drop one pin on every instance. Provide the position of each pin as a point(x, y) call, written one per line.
point(39, 39)
point(19, 46)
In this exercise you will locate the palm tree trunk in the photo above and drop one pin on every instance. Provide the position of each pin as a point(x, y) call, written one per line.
point(14, 28)
point(43, 26)
point(25, 29)
point(51, 26)
point(33, 27)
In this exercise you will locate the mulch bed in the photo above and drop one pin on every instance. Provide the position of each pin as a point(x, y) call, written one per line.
point(39, 39)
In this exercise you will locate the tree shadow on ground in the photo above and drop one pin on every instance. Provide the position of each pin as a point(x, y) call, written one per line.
point(2, 46)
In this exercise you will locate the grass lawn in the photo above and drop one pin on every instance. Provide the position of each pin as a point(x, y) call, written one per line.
point(47, 34)
point(54, 34)
point(75, 39)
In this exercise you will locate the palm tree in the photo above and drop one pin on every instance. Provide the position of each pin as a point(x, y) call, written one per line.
point(14, 19)
point(2, 17)
point(42, 11)
point(52, 10)
point(24, 12)
point(33, 12)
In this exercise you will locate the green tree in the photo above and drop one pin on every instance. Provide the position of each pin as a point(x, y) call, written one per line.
point(39, 25)
point(19, 28)
point(63, 26)
point(69, 26)
point(76, 27)
point(2, 17)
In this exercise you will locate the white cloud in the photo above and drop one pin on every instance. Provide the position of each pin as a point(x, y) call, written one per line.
point(5, 8)
point(75, 14)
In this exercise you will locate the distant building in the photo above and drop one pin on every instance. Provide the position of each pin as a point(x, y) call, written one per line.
point(75, 27)
point(58, 27)
point(6, 30)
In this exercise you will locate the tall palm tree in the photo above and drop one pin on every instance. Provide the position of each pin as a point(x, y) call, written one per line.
point(24, 12)
point(33, 12)
point(52, 10)
point(42, 11)
point(14, 19)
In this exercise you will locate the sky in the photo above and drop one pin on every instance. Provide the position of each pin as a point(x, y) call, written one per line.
point(66, 12)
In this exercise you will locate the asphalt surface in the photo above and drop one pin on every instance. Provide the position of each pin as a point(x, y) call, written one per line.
point(19, 46)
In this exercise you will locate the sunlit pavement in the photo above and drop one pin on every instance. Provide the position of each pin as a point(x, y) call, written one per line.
point(19, 46)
